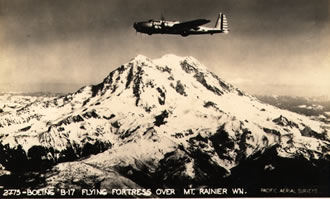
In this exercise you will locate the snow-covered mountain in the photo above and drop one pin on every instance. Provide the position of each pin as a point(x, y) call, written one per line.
point(156, 123)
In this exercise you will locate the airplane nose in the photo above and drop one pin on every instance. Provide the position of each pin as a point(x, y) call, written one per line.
point(135, 25)
point(141, 26)
point(146, 25)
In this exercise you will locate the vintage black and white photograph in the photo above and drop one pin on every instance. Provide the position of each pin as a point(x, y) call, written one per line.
point(164, 99)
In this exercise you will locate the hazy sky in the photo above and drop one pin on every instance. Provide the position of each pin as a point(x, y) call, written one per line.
point(274, 47)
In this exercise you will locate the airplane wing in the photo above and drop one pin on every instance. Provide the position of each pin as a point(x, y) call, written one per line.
point(190, 24)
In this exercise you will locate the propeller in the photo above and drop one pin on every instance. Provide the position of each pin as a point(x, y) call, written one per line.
point(162, 19)
point(135, 25)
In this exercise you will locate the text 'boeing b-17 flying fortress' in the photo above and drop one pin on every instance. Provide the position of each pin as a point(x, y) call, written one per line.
point(182, 28)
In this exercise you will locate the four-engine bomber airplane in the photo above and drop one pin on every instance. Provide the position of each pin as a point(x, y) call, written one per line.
point(182, 28)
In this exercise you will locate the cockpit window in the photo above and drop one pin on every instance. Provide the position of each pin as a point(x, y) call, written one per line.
point(150, 20)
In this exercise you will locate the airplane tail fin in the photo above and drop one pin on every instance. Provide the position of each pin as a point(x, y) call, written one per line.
point(222, 23)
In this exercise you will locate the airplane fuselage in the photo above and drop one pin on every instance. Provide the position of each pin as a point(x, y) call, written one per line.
point(166, 27)
point(181, 28)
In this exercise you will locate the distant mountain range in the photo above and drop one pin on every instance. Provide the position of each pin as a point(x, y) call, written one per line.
point(162, 123)
point(316, 107)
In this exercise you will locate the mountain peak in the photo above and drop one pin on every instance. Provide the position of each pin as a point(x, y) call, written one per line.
point(175, 61)
point(140, 59)
point(167, 62)
point(172, 57)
